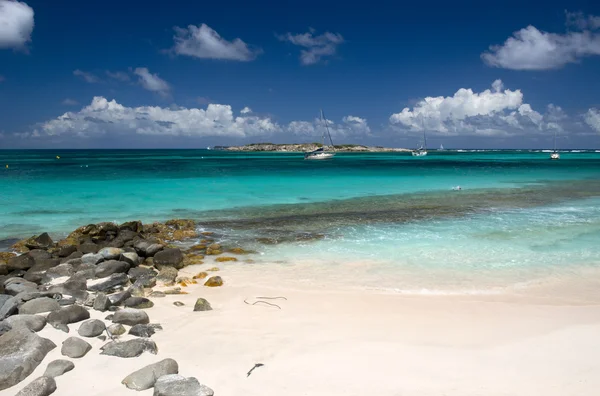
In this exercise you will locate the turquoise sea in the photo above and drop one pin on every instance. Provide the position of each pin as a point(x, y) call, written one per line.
point(379, 220)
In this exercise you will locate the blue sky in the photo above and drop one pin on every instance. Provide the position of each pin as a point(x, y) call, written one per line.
point(192, 74)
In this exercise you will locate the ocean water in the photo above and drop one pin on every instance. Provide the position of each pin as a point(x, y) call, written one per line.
point(381, 220)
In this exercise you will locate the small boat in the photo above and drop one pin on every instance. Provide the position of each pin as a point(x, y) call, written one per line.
point(321, 153)
point(554, 155)
point(422, 150)
point(441, 148)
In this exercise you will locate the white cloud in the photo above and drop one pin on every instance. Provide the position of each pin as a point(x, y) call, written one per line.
point(581, 21)
point(204, 42)
point(492, 112)
point(317, 47)
point(152, 82)
point(592, 118)
point(246, 110)
point(118, 75)
point(350, 126)
point(86, 76)
point(532, 49)
point(16, 24)
point(103, 117)
point(70, 102)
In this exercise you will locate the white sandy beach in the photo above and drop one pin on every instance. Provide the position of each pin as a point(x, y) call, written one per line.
point(352, 343)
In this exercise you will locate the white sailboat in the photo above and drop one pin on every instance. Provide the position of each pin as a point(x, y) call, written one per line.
point(321, 153)
point(441, 148)
point(554, 155)
point(422, 150)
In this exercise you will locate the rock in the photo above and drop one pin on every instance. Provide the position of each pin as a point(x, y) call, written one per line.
point(89, 301)
point(58, 272)
point(72, 256)
point(43, 241)
point(144, 330)
point(39, 305)
point(58, 367)
point(131, 317)
point(66, 251)
point(20, 353)
point(137, 290)
point(4, 298)
point(36, 273)
point(88, 248)
point(200, 275)
point(123, 238)
point(61, 327)
point(202, 305)
point(110, 267)
point(108, 283)
point(33, 323)
point(91, 328)
point(135, 226)
point(213, 269)
point(130, 348)
point(138, 302)
point(14, 286)
point(87, 271)
point(146, 377)
point(147, 249)
point(177, 385)
point(74, 347)
point(146, 281)
point(178, 303)
point(169, 258)
point(3, 268)
point(9, 307)
point(42, 386)
point(119, 298)
point(116, 329)
point(91, 258)
point(22, 262)
point(102, 303)
point(238, 250)
point(75, 286)
point(67, 301)
point(111, 253)
point(167, 275)
point(4, 327)
point(67, 315)
point(39, 254)
point(176, 290)
point(223, 259)
point(214, 281)
point(214, 246)
point(157, 294)
point(139, 272)
point(131, 258)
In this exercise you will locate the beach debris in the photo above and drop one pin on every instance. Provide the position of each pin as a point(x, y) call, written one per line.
point(178, 303)
point(266, 302)
point(75, 347)
point(146, 377)
point(253, 368)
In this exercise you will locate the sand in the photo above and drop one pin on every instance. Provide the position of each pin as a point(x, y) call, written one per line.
point(353, 342)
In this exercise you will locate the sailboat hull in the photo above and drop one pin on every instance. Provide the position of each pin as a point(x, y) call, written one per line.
point(554, 156)
point(419, 153)
point(319, 156)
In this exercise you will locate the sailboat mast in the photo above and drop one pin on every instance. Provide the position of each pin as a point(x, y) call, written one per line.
point(327, 129)
point(554, 140)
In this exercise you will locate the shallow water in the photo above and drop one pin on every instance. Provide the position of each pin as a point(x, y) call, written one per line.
point(386, 221)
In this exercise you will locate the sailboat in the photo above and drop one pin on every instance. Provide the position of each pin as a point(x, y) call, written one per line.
point(321, 153)
point(554, 155)
point(422, 150)
point(441, 148)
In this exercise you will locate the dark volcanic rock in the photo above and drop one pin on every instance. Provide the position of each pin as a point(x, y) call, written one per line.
point(74, 347)
point(169, 258)
point(146, 377)
point(167, 275)
point(202, 305)
point(43, 241)
point(59, 271)
point(101, 303)
point(88, 271)
point(58, 367)
point(72, 256)
point(67, 301)
point(123, 238)
point(91, 328)
point(21, 351)
point(34, 323)
point(39, 254)
point(22, 262)
point(177, 385)
point(144, 330)
point(131, 317)
point(36, 273)
point(111, 253)
point(116, 329)
point(130, 257)
point(39, 305)
point(42, 386)
point(66, 251)
point(14, 286)
point(119, 298)
point(135, 226)
point(146, 249)
point(138, 302)
point(75, 286)
point(130, 348)
point(139, 272)
point(88, 247)
point(111, 282)
point(67, 315)
point(91, 258)
point(110, 267)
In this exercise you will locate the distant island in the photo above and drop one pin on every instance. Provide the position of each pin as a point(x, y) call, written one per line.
point(304, 147)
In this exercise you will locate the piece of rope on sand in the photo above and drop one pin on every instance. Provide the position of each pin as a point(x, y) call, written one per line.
point(265, 302)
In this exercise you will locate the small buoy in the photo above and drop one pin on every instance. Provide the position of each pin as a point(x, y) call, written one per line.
point(57, 157)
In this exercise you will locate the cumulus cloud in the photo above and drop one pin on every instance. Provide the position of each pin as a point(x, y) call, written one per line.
point(16, 24)
point(118, 75)
point(70, 102)
point(246, 110)
point(86, 76)
point(497, 112)
point(205, 43)
point(317, 47)
point(152, 82)
point(592, 118)
point(109, 117)
point(532, 49)
point(350, 126)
